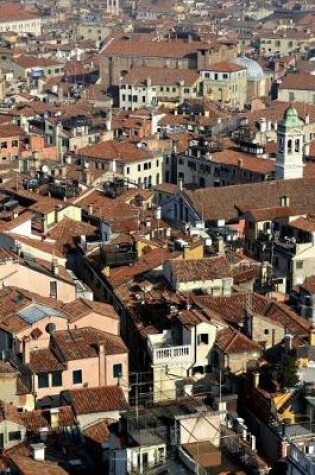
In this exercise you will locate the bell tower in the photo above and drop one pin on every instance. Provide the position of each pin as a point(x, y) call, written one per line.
point(290, 138)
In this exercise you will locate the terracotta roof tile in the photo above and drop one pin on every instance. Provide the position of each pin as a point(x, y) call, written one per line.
point(222, 203)
point(83, 343)
point(309, 284)
point(161, 76)
point(232, 341)
point(151, 260)
point(34, 420)
point(101, 399)
point(303, 80)
point(43, 361)
point(112, 150)
point(201, 269)
point(98, 432)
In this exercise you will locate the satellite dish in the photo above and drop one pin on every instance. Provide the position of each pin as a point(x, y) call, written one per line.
point(50, 328)
point(45, 168)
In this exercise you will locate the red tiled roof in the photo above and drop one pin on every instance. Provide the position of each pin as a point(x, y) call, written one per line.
point(232, 341)
point(101, 399)
point(161, 76)
point(82, 343)
point(98, 432)
point(44, 361)
point(225, 66)
point(14, 12)
point(201, 269)
point(151, 260)
point(124, 152)
point(269, 214)
point(10, 130)
point(222, 202)
point(34, 420)
point(304, 224)
point(245, 161)
point(303, 80)
point(309, 284)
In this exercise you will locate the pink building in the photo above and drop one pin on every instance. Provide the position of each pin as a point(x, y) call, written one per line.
point(80, 358)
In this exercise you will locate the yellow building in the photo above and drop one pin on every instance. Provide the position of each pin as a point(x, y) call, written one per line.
point(226, 84)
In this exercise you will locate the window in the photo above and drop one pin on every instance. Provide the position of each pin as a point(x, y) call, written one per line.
point(157, 163)
point(15, 435)
point(225, 76)
point(266, 331)
point(135, 98)
point(216, 77)
point(186, 90)
point(56, 378)
point(127, 170)
point(4, 145)
point(291, 96)
point(43, 380)
point(203, 338)
point(53, 289)
point(197, 370)
point(123, 97)
point(117, 370)
point(15, 143)
point(77, 376)
point(299, 264)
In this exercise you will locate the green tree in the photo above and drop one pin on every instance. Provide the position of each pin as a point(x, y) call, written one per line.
point(290, 377)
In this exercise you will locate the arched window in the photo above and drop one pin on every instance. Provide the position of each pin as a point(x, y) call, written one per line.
point(297, 145)
point(145, 182)
point(290, 146)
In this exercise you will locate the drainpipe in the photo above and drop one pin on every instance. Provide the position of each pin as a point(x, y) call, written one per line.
point(195, 351)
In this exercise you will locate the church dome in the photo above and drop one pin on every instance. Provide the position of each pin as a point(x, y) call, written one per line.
point(254, 70)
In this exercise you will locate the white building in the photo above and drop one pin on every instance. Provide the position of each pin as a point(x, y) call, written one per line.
point(15, 17)
point(144, 87)
point(290, 137)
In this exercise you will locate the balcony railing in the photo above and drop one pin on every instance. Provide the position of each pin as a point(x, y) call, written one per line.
point(162, 355)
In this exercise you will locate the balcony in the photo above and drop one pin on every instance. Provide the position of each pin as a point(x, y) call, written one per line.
point(172, 355)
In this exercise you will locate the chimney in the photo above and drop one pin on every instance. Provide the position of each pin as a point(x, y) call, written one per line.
point(60, 94)
point(106, 271)
point(288, 342)
point(86, 176)
point(181, 184)
point(102, 364)
point(307, 150)
point(307, 119)
point(219, 246)
point(26, 352)
point(91, 209)
point(54, 417)
point(43, 432)
point(256, 378)
point(55, 267)
point(39, 452)
point(109, 121)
